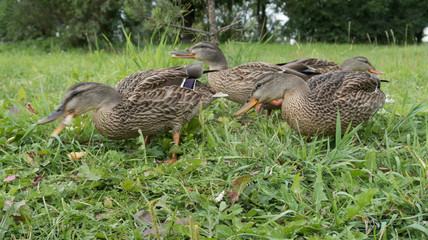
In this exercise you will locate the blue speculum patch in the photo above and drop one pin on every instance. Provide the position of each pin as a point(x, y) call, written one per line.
point(189, 83)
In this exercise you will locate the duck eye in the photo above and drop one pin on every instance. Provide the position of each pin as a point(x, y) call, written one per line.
point(75, 93)
point(258, 85)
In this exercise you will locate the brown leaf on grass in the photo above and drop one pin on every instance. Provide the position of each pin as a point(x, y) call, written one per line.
point(11, 177)
point(14, 110)
point(34, 154)
point(36, 180)
point(29, 108)
point(239, 185)
point(18, 218)
point(76, 155)
point(384, 169)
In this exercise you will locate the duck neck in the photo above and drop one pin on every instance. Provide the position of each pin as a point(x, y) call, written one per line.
point(218, 63)
point(112, 99)
point(299, 90)
point(107, 119)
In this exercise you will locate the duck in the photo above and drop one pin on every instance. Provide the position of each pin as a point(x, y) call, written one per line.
point(306, 68)
point(151, 101)
point(316, 66)
point(312, 108)
point(237, 82)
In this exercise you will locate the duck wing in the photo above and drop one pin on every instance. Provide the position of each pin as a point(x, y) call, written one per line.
point(172, 105)
point(150, 79)
point(311, 66)
point(356, 94)
point(238, 81)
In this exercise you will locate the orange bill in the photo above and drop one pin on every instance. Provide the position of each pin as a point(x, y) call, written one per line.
point(247, 106)
point(182, 54)
point(375, 71)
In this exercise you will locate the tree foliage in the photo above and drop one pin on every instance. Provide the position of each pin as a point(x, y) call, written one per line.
point(79, 22)
point(384, 21)
point(73, 21)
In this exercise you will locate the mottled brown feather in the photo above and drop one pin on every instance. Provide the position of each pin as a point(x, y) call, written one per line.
point(311, 108)
point(151, 101)
point(238, 81)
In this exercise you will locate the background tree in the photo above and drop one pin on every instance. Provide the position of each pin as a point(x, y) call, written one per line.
point(359, 21)
point(81, 22)
point(73, 21)
point(135, 16)
point(174, 15)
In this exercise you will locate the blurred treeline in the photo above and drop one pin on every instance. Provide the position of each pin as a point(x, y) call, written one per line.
point(81, 22)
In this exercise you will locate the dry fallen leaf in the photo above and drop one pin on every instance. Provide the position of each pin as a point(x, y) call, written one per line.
point(76, 155)
point(11, 177)
point(384, 169)
point(14, 110)
point(36, 180)
point(34, 154)
point(29, 108)
point(239, 185)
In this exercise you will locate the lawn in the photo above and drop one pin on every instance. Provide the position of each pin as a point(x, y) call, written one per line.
point(372, 184)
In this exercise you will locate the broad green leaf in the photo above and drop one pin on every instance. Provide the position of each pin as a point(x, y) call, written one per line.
point(419, 227)
point(296, 184)
point(25, 212)
point(224, 230)
point(370, 158)
point(127, 185)
point(364, 198)
point(361, 200)
point(176, 149)
point(92, 174)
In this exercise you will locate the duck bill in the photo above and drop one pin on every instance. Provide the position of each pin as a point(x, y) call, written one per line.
point(183, 54)
point(57, 114)
point(247, 106)
point(375, 71)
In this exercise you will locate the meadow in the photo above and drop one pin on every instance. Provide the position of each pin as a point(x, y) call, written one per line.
point(237, 178)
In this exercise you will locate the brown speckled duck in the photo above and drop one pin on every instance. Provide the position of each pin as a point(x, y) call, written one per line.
point(309, 67)
point(316, 66)
point(311, 108)
point(236, 82)
point(152, 101)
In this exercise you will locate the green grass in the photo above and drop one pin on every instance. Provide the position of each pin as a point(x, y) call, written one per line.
point(369, 185)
